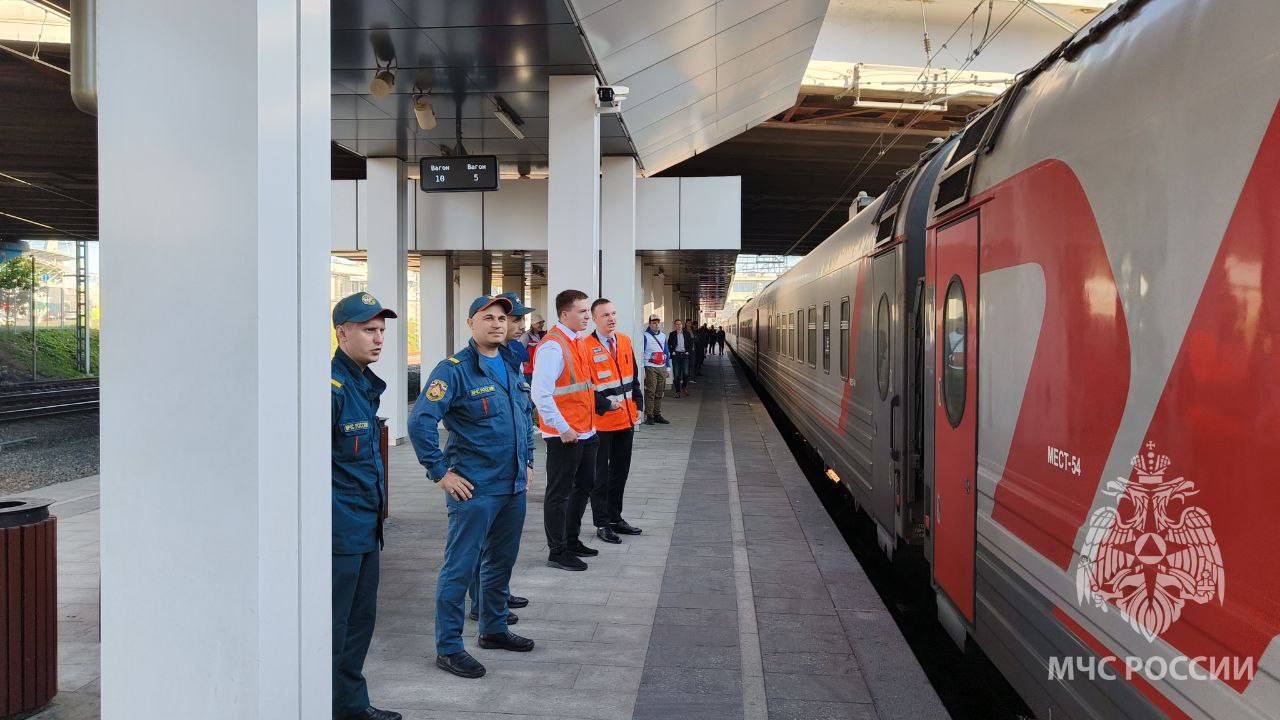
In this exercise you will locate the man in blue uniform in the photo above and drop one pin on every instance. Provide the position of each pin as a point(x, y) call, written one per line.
point(484, 471)
point(358, 498)
point(520, 355)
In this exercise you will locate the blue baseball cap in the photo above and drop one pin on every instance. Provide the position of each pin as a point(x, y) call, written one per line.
point(485, 301)
point(517, 308)
point(360, 307)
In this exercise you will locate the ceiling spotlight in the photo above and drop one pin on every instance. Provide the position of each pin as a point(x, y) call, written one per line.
point(383, 82)
point(423, 111)
point(508, 117)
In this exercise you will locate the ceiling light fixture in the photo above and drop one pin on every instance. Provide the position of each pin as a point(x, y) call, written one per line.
point(508, 117)
point(423, 111)
point(383, 82)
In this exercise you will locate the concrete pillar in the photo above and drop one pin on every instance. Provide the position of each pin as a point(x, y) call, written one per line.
point(473, 280)
point(515, 284)
point(618, 239)
point(543, 306)
point(215, 452)
point(573, 186)
point(640, 314)
point(386, 243)
point(655, 291)
point(433, 298)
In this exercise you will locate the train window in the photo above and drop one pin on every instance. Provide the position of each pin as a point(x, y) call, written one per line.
point(800, 335)
point(954, 369)
point(844, 338)
point(812, 352)
point(882, 345)
point(791, 335)
point(826, 337)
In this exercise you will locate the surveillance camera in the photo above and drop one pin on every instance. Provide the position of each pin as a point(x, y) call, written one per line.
point(609, 97)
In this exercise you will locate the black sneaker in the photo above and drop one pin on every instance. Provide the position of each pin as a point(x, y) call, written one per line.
point(515, 601)
point(506, 641)
point(622, 527)
point(606, 534)
point(461, 664)
point(512, 618)
point(577, 548)
point(661, 420)
point(565, 561)
point(648, 419)
point(373, 713)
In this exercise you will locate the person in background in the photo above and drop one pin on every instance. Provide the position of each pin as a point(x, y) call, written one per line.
point(699, 335)
point(358, 498)
point(720, 340)
point(530, 340)
point(566, 416)
point(484, 470)
point(618, 403)
point(518, 310)
point(681, 344)
point(657, 368)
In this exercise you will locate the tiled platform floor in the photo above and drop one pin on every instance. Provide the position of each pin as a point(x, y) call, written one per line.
point(740, 600)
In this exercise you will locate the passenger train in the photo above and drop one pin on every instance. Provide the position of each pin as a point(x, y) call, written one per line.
point(1047, 360)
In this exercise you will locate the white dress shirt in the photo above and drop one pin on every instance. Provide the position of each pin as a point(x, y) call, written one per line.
point(548, 365)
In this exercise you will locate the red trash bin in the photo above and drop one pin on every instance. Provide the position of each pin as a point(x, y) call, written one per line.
point(28, 606)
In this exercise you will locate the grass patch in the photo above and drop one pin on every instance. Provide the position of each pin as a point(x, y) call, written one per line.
point(55, 354)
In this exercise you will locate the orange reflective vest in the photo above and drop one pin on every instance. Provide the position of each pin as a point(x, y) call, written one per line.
point(609, 372)
point(574, 394)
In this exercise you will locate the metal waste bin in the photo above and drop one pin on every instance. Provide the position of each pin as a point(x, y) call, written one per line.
point(28, 606)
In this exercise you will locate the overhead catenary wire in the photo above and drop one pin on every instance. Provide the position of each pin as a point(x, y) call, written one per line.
point(910, 123)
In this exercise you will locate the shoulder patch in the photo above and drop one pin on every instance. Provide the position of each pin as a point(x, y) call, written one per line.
point(437, 389)
point(335, 383)
point(454, 360)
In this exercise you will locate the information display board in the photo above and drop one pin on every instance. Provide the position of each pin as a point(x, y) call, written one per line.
point(459, 173)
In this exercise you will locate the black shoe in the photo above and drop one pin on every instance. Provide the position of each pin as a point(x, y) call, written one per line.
point(565, 561)
point(625, 528)
point(648, 419)
point(662, 421)
point(461, 664)
point(606, 534)
point(506, 641)
point(577, 548)
point(373, 713)
point(515, 601)
point(512, 618)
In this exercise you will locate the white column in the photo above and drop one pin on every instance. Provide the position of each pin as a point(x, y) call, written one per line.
point(640, 311)
point(472, 282)
point(433, 299)
point(618, 239)
point(670, 313)
point(573, 186)
point(215, 456)
point(387, 245)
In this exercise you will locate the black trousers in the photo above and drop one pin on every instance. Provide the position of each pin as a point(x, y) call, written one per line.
point(571, 471)
point(613, 464)
point(679, 371)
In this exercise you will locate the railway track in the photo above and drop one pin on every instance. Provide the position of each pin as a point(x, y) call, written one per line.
point(54, 397)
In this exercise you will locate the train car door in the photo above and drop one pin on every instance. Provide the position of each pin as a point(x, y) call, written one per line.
point(955, 413)
point(886, 408)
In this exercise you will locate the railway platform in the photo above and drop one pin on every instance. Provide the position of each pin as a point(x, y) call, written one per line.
point(739, 600)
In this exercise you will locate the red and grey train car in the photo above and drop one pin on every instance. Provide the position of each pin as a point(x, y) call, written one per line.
point(1049, 357)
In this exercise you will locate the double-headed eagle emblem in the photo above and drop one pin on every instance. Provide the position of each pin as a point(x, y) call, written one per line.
point(1151, 552)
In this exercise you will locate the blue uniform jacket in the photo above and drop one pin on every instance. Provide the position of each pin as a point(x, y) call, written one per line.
point(357, 459)
point(490, 429)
